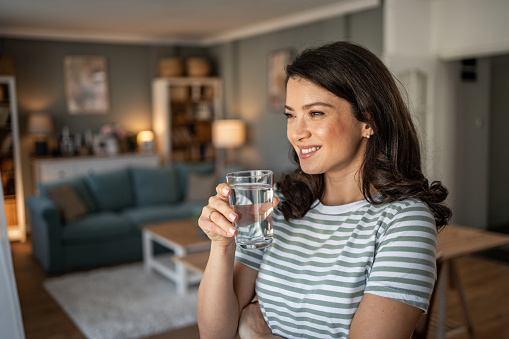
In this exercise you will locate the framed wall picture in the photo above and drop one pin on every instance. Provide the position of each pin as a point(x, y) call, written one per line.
point(86, 84)
point(277, 62)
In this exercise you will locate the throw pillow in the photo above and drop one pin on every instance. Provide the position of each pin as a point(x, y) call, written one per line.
point(200, 187)
point(155, 185)
point(183, 169)
point(67, 201)
point(79, 185)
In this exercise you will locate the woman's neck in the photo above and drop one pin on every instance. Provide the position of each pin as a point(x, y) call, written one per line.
point(341, 190)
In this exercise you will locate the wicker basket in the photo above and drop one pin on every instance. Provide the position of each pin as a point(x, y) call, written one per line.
point(171, 67)
point(197, 67)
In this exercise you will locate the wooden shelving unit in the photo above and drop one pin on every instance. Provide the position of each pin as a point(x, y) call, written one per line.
point(184, 109)
point(10, 161)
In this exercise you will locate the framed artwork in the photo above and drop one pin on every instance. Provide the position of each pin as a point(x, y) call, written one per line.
point(277, 62)
point(86, 84)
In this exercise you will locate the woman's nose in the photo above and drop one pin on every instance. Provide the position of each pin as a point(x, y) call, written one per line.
point(300, 129)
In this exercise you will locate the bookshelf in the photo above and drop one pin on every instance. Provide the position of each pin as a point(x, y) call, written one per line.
point(184, 109)
point(10, 161)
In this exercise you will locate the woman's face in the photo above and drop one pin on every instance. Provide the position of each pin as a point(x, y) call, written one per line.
point(323, 131)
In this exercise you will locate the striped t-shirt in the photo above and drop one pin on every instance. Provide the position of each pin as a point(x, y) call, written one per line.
point(311, 280)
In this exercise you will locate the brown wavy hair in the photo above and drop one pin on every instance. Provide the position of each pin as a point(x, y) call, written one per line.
point(392, 163)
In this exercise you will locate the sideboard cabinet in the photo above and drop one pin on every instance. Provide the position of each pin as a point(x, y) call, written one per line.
point(52, 169)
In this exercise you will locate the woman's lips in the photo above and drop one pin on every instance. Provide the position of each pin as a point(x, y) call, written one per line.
point(306, 152)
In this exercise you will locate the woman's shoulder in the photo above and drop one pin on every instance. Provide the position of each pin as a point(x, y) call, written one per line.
point(410, 209)
point(404, 204)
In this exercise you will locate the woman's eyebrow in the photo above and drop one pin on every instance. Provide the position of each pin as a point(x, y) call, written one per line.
point(308, 106)
point(318, 103)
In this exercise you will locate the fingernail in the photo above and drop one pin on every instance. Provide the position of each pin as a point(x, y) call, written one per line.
point(232, 231)
point(226, 190)
point(232, 216)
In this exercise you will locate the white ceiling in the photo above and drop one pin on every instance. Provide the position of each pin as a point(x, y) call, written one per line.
point(163, 21)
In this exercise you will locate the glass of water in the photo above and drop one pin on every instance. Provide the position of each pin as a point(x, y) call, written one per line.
point(251, 199)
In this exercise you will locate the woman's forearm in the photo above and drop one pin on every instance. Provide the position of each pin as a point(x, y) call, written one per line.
point(218, 310)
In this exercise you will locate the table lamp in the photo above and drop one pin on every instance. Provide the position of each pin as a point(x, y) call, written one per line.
point(145, 141)
point(228, 134)
point(40, 125)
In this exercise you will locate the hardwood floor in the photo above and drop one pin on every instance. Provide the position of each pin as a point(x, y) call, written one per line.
point(485, 282)
point(42, 316)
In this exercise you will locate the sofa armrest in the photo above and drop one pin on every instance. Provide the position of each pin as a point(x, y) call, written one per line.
point(46, 225)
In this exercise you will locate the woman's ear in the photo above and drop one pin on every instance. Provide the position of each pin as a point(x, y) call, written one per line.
point(367, 131)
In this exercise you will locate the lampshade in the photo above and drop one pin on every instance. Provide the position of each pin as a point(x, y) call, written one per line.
point(228, 133)
point(145, 141)
point(145, 136)
point(40, 123)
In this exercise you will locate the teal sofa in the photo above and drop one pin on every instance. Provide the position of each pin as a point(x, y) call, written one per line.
point(108, 211)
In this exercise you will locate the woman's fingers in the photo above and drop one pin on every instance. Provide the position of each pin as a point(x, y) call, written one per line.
point(275, 202)
point(217, 216)
point(223, 190)
point(217, 222)
point(208, 225)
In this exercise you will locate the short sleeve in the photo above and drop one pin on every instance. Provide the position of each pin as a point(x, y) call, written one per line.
point(404, 267)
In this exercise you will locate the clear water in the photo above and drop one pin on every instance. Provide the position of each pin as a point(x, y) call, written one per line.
point(253, 205)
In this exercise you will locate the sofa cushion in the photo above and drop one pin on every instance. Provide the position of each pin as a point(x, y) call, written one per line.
point(112, 190)
point(200, 187)
point(154, 185)
point(80, 187)
point(98, 227)
point(150, 214)
point(67, 201)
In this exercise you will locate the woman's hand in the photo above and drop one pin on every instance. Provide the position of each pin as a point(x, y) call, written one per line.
point(217, 217)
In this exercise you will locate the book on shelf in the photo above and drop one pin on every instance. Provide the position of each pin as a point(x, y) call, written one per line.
point(6, 144)
point(4, 114)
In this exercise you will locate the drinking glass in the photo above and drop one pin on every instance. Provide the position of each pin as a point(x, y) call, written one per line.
point(251, 199)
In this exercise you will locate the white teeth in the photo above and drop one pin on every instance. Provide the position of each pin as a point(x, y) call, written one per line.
point(308, 150)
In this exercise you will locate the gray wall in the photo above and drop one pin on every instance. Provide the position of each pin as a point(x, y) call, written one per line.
point(472, 148)
point(498, 210)
point(243, 66)
point(131, 68)
point(481, 157)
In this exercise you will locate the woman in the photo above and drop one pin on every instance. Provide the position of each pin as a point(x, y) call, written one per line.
point(354, 243)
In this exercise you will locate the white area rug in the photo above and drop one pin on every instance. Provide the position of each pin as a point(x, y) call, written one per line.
point(122, 302)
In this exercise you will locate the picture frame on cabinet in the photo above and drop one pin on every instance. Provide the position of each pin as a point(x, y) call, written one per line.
point(276, 75)
point(86, 84)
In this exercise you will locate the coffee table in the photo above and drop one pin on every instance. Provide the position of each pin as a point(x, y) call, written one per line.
point(182, 238)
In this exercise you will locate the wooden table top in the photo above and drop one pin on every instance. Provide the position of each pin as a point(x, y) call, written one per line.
point(195, 262)
point(455, 241)
point(182, 232)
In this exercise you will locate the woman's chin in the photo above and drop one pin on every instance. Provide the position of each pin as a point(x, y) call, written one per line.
point(309, 170)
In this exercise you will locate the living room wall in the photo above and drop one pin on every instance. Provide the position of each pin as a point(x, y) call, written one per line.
point(40, 85)
point(131, 68)
point(243, 66)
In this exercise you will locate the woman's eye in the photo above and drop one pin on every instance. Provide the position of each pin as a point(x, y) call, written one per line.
point(288, 115)
point(315, 114)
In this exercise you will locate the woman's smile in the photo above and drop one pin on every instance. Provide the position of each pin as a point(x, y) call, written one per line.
point(306, 151)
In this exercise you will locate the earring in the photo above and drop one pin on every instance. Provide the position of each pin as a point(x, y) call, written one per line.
point(368, 136)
